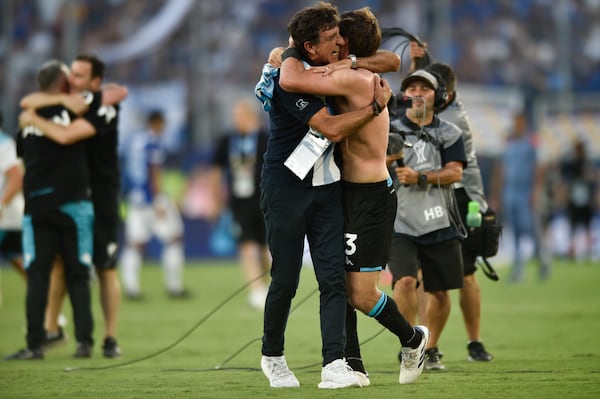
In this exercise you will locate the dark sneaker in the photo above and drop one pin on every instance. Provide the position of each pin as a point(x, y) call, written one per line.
point(84, 350)
point(111, 348)
point(181, 294)
point(26, 354)
point(477, 352)
point(134, 296)
point(54, 339)
point(433, 359)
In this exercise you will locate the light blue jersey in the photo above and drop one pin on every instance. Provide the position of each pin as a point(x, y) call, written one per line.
point(519, 170)
point(142, 151)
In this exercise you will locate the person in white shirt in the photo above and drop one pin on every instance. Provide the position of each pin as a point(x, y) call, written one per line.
point(11, 202)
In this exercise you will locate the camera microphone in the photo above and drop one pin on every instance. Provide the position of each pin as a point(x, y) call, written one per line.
point(398, 101)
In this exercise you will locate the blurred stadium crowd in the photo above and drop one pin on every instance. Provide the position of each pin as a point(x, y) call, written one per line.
point(195, 57)
point(495, 42)
point(541, 46)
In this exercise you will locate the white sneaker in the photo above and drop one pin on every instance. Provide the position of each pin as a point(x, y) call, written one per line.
point(338, 374)
point(278, 373)
point(413, 360)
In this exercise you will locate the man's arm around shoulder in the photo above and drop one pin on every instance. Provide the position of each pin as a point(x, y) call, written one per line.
point(75, 101)
point(294, 78)
point(78, 129)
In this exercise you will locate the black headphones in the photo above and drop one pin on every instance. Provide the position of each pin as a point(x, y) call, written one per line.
point(441, 93)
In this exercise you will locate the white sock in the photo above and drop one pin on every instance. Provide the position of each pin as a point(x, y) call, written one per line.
point(131, 263)
point(172, 259)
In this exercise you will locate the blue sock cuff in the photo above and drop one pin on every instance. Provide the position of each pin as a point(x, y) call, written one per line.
point(378, 308)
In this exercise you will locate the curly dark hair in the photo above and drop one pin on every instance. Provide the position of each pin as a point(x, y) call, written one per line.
point(308, 23)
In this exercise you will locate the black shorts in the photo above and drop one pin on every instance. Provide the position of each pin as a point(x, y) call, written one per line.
point(106, 231)
point(580, 216)
point(249, 221)
point(441, 263)
point(66, 231)
point(369, 213)
point(10, 244)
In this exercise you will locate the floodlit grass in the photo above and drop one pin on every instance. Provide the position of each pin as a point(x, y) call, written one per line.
point(545, 337)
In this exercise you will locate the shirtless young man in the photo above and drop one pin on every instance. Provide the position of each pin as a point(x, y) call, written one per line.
point(369, 198)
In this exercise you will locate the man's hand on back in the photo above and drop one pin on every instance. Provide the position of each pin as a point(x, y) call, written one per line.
point(275, 57)
point(383, 91)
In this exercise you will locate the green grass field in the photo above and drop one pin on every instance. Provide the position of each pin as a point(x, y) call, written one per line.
point(545, 337)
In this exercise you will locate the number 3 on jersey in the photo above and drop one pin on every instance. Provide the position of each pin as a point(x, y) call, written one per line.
point(350, 243)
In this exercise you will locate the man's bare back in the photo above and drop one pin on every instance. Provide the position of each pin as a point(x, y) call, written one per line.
point(363, 152)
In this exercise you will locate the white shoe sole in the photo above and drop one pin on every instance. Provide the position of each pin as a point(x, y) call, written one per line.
point(335, 385)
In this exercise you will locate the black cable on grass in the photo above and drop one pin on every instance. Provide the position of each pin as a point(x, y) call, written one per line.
point(296, 306)
point(246, 345)
point(198, 324)
point(169, 347)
